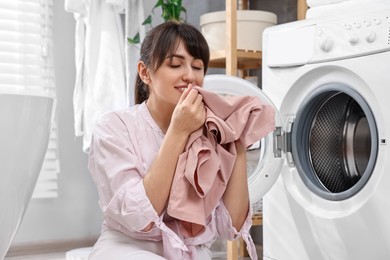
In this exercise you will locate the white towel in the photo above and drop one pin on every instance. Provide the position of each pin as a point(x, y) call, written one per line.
point(100, 62)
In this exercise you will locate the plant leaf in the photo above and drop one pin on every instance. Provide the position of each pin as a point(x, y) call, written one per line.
point(159, 3)
point(148, 20)
point(185, 13)
point(134, 40)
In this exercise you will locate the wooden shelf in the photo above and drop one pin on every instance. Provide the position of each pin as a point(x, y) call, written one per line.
point(301, 9)
point(234, 60)
point(231, 58)
point(241, 59)
point(245, 59)
point(257, 219)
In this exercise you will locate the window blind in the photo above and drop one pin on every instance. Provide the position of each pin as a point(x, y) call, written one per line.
point(47, 185)
point(26, 65)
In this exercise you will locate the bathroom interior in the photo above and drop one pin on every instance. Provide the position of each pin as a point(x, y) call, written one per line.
point(66, 215)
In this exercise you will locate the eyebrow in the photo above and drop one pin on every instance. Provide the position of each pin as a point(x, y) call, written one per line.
point(175, 56)
point(180, 57)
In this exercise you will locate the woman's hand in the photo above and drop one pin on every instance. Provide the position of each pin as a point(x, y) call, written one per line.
point(189, 114)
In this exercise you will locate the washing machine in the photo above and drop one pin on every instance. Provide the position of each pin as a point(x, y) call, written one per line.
point(329, 78)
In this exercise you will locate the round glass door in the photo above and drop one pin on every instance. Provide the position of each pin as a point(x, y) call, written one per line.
point(335, 141)
point(262, 167)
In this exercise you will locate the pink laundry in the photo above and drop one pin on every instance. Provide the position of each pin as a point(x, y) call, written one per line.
point(204, 168)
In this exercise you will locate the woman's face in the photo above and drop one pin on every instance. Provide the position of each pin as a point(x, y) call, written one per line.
point(169, 81)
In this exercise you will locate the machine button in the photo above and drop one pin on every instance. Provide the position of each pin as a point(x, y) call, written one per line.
point(371, 37)
point(354, 39)
point(358, 25)
point(327, 44)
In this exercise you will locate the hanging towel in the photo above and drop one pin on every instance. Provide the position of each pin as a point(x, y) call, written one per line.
point(204, 168)
point(100, 84)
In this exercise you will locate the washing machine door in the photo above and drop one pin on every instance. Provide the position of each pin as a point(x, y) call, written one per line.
point(334, 141)
point(263, 167)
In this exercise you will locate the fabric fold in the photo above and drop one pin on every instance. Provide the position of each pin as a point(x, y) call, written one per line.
point(205, 167)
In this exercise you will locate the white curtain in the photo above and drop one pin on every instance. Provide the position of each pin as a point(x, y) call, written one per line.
point(47, 184)
point(100, 62)
point(26, 64)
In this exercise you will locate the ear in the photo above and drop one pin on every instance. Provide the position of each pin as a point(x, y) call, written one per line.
point(143, 72)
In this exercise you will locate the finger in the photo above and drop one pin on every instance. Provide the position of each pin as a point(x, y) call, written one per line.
point(191, 97)
point(198, 100)
point(185, 93)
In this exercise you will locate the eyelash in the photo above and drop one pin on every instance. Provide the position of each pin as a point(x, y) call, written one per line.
point(177, 66)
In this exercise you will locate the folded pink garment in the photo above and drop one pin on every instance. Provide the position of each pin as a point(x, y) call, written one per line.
point(204, 168)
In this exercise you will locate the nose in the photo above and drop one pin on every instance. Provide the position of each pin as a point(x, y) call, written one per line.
point(189, 75)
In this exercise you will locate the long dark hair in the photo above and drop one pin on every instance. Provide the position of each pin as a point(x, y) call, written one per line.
point(161, 42)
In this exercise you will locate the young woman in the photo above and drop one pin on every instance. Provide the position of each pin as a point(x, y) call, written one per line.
point(134, 153)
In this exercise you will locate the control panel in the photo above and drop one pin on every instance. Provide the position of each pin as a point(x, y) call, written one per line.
point(351, 37)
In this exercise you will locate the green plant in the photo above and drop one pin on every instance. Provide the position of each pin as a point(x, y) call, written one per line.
point(170, 10)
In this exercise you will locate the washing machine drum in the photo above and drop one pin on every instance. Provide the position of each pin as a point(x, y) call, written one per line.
point(334, 142)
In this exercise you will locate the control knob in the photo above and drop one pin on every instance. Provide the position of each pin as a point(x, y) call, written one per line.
point(326, 44)
point(371, 37)
point(354, 39)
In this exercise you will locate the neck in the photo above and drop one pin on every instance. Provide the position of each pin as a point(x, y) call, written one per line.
point(160, 114)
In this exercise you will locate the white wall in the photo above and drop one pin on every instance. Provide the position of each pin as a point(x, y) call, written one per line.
point(75, 214)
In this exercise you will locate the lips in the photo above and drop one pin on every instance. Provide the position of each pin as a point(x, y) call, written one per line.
point(182, 89)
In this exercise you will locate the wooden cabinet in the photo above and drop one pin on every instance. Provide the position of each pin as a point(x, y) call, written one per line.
point(245, 59)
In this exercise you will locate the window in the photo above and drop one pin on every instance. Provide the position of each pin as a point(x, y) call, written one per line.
point(26, 63)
